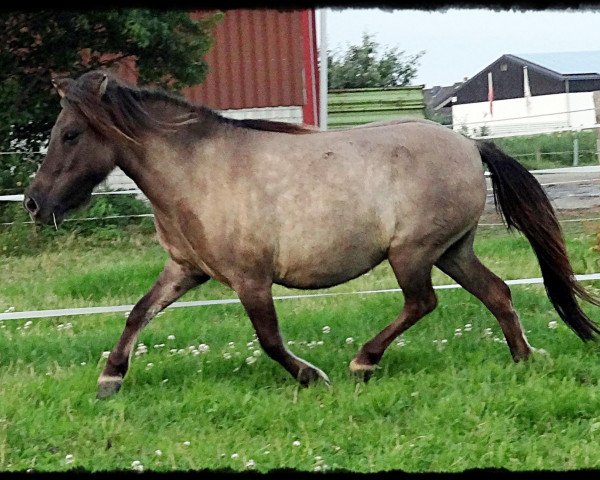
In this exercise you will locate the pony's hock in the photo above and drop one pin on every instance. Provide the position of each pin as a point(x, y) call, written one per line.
point(252, 202)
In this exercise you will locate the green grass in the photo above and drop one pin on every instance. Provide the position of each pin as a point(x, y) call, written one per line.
point(553, 150)
point(463, 404)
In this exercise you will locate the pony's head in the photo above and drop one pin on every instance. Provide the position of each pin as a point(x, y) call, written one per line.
point(80, 153)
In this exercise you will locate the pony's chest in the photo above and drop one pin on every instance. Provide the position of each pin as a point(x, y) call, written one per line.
point(185, 242)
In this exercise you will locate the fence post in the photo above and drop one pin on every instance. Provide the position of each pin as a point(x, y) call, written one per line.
point(596, 97)
point(575, 150)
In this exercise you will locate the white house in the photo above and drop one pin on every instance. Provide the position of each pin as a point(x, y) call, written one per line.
point(530, 93)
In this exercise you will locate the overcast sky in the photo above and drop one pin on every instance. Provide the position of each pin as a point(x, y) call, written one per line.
point(461, 42)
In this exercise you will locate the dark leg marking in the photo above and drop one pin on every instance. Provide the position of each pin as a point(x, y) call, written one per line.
point(257, 300)
point(460, 263)
point(171, 284)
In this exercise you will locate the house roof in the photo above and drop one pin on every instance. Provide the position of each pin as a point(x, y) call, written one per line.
point(566, 63)
point(437, 97)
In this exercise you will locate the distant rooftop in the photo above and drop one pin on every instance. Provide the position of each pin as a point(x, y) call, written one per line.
point(566, 63)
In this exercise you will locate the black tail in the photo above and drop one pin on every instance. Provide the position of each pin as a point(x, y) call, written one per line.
point(523, 204)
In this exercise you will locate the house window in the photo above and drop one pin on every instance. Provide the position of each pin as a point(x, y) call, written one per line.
point(503, 67)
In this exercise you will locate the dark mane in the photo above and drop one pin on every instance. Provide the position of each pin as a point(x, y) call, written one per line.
point(122, 110)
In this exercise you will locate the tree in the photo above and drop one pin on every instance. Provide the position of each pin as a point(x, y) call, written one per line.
point(168, 47)
point(361, 66)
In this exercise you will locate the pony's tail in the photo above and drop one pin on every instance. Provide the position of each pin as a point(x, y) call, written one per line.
point(523, 204)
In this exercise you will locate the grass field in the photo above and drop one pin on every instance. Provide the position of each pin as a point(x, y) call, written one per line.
point(201, 395)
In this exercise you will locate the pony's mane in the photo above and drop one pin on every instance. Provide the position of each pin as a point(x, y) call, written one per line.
point(122, 110)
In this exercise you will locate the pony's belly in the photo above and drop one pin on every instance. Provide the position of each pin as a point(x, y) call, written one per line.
point(318, 269)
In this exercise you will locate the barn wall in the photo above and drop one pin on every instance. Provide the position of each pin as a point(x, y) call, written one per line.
point(256, 61)
point(545, 113)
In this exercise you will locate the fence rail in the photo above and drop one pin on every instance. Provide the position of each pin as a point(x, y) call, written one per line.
point(67, 312)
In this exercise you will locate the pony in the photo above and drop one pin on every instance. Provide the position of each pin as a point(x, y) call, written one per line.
point(252, 203)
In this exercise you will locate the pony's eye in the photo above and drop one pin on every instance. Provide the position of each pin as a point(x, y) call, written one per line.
point(71, 135)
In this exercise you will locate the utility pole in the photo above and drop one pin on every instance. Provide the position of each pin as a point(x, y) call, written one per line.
point(323, 68)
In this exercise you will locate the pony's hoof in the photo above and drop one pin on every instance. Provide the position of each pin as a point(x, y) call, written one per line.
point(312, 374)
point(361, 371)
point(108, 386)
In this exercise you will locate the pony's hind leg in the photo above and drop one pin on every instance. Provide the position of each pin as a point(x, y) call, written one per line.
point(413, 273)
point(460, 263)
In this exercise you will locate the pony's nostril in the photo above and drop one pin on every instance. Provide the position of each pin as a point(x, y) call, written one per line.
point(31, 205)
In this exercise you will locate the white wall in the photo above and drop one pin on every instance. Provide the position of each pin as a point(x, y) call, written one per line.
point(545, 114)
point(117, 180)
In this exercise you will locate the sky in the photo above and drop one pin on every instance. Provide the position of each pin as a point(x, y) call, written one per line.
point(459, 43)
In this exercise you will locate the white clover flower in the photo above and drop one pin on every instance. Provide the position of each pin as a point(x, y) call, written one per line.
point(126, 314)
point(296, 443)
point(186, 443)
point(9, 309)
point(250, 464)
point(159, 345)
point(173, 350)
point(181, 350)
point(553, 324)
point(226, 355)
point(105, 354)
point(317, 468)
point(150, 365)
point(487, 332)
point(326, 329)
point(444, 341)
point(291, 342)
point(27, 324)
point(250, 360)
point(69, 458)
point(458, 333)
point(349, 340)
point(203, 348)
point(137, 466)
point(171, 337)
point(231, 344)
point(256, 353)
point(83, 363)
point(158, 453)
point(135, 463)
point(234, 455)
point(320, 342)
point(165, 380)
point(192, 348)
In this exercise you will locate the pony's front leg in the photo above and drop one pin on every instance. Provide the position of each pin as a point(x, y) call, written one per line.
point(257, 300)
point(172, 283)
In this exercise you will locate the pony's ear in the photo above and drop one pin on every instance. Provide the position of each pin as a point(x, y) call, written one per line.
point(62, 85)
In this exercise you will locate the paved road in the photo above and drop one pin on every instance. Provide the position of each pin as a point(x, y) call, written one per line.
point(567, 191)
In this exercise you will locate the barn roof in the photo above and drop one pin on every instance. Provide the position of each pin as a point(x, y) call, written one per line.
point(566, 63)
